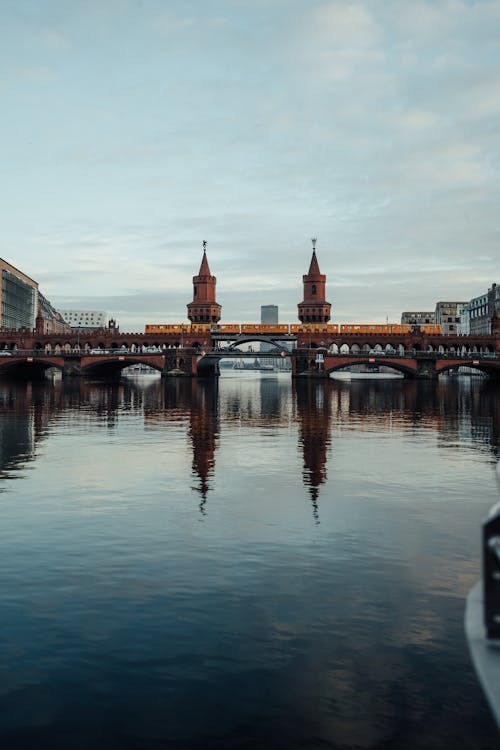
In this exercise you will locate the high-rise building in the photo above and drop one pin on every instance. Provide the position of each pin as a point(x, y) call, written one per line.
point(268, 316)
point(18, 298)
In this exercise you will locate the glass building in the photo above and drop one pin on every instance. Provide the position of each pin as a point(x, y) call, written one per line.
point(18, 298)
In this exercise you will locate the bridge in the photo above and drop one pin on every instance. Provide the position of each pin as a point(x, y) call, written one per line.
point(420, 365)
point(312, 362)
point(315, 346)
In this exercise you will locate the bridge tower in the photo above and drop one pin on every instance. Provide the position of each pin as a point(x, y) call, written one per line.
point(204, 307)
point(314, 308)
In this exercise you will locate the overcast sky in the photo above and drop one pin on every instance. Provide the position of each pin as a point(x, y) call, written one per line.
point(135, 129)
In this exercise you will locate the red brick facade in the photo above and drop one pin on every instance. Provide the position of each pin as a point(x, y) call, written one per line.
point(204, 307)
point(314, 308)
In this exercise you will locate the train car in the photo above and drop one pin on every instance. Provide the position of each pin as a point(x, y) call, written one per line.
point(199, 328)
point(266, 328)
point(431, 328)
point(277, 327)
point(226, 328)
point(312, 328)
point(250, 328)
point(165, 328)
point(371, 328)
point(389, 328)
point(332, 327)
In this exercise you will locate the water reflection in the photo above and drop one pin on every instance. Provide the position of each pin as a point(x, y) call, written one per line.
point(465, 409)
point(128, 623)
point(314, 412)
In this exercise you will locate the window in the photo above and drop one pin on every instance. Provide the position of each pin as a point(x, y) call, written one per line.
point(314, 289)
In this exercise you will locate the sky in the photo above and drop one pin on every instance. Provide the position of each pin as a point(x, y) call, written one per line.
point(135, 129)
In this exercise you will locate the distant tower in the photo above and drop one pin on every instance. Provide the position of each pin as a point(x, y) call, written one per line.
point(314, 308)
point(204, 308)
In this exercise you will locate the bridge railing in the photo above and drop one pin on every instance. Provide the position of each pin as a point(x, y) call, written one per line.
point(484, 356)
point(78, 352)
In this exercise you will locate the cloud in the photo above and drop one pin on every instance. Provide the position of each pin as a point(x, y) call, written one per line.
point(372, 125)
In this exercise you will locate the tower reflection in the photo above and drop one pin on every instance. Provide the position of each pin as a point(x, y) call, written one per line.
point(313, 399)
point(204, 433)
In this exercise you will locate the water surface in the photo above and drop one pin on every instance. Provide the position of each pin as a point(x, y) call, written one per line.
point(249, 564)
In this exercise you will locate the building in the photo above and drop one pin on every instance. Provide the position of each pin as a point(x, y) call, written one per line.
point(48, 319)
point(268, 316)
point(448, 315)
point(480, 310)
point(314, 308)
point(85, 319)
point(18, 298)
point(204, 308)
point(417, 318)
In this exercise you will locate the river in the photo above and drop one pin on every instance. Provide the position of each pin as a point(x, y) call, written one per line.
point(253, 563)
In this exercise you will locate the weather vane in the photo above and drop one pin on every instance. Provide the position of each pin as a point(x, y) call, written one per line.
point(314, 240)
point(204, 245)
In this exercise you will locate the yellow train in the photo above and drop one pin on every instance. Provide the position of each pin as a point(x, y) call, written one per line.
point(397, 328)
point(179, 329)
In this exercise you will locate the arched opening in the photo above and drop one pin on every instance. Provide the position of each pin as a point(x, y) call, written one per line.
point(344, 349)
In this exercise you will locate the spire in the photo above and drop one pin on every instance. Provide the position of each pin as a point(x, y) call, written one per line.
point(204, 268)
point(314, 267)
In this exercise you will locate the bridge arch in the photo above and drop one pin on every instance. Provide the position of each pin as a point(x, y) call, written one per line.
point(488, 368)
point(112, 364)
point(254, 338)
point(361, 360)
point(34, 369)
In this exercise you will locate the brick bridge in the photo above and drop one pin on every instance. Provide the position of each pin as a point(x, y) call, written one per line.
point(189, 362)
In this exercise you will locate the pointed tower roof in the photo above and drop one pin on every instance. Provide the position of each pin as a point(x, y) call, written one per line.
point(314, 267)
point(204, 268)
